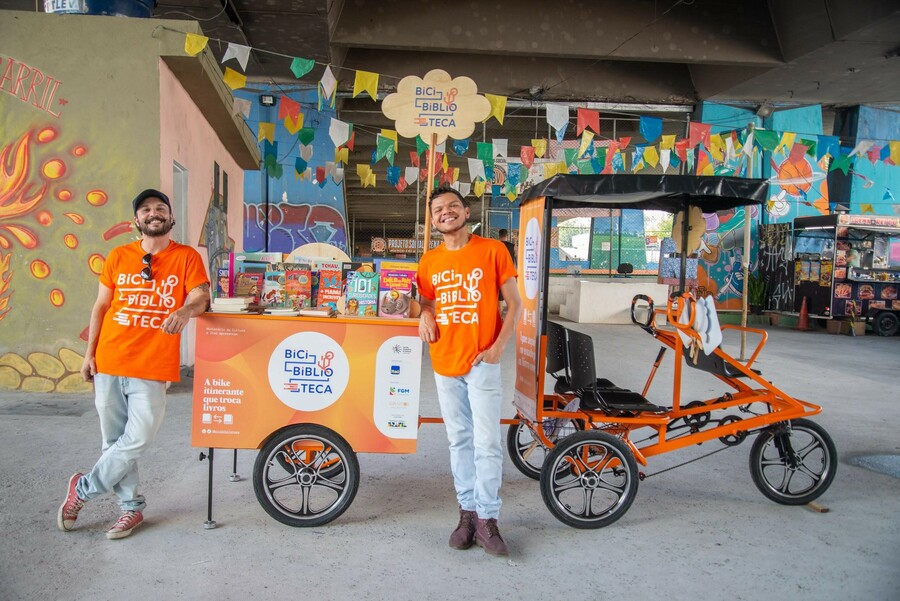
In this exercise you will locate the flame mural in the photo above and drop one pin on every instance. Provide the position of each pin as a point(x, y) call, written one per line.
point(40, 220)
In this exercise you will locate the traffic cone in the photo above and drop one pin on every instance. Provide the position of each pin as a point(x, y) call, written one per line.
point(803, 322)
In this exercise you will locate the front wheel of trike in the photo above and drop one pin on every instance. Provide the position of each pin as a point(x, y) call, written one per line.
point(306, 475)
point(526, 450)
point(589, 479)
point(792, 463)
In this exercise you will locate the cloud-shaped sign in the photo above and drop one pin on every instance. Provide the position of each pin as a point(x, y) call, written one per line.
point(436, 104)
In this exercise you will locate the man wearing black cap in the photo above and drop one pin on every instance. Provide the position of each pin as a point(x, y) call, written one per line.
point(149, 290)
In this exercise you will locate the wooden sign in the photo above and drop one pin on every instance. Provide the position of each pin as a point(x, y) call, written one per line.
point(436, 107)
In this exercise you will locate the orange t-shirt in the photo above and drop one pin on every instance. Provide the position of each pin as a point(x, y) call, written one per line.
point(464, 284)
point(131, 343)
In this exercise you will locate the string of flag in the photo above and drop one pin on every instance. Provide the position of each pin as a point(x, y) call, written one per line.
point(738, 152)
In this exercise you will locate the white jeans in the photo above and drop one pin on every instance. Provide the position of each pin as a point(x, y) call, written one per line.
point(470, 406)
point(131, 411)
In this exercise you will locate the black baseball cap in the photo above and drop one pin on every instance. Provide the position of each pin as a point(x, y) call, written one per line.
point(150, 193)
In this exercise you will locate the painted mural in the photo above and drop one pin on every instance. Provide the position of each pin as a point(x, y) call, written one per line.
point(50, 246)
point(297, 197)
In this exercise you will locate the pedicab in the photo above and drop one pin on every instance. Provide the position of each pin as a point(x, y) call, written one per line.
point(585, 440)
point(311, 393)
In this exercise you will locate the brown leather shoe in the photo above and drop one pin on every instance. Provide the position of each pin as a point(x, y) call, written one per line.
point(462, 537)
point(487, 535)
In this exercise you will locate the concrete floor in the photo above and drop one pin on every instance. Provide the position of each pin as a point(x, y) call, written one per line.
point(702, 531)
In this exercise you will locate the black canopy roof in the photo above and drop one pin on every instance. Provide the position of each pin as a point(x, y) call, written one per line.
point(655, 192)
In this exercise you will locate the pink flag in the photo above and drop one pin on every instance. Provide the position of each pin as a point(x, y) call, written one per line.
point(588, 118)
point(527, 156)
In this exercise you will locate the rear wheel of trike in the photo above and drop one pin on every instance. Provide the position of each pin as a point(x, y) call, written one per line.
point(526, 451)
point(306, 475)
point(589, 479)
point(792, 463)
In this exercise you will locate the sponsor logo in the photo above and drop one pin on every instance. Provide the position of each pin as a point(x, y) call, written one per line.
point(397, 424)
point(401, 349)
point(395, 370)
point(398, 391)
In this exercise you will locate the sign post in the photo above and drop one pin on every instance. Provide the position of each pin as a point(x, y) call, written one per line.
point(434, 108)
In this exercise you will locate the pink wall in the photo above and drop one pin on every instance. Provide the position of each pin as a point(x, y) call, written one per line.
point(187, 138)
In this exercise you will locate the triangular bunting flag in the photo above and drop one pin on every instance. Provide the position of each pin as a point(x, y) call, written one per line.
point(327, 87)
point(194, 44)
point(699, 133)
point(301, 66)
point(498, 107)
point(540, 147)
point(339, 132)
point(366, 82)
point(241, 53)
point(586, 118)
point(651, 128)
point(233, 79)
point(266, 132)
point(288, 108)
point(526, 153)
point(242, 106)
point(292, 125)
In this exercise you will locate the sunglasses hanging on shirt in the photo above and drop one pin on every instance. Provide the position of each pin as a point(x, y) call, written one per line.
point(146, 272)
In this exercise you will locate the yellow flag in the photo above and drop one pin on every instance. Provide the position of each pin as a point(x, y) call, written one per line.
point(511, 195)
point(370, 180)
point(550, 169)
point(498, 107)
point(651, 157)
point(638, 166)
point(233, 79)
point(787, 142)
point(362, 170)
point(586, 137)
point(342, 155)
point(866, 207)
point(294, 126)
point(561, 167)
point(366, 82)
point(445, 164)
point(667, 142)
point(478, 187)
point(455, 175)
point(540, 147)
point(717, 147)
point(390, 133)
point(194, 44)
point(895, 152)
point(266, 131)
point(708, 170)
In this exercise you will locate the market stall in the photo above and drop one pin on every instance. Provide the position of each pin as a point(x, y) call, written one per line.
point(848, 266)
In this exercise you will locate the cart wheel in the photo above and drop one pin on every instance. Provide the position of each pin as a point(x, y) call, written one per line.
point(526, 451)
point(589, 479)
point(306, 475)
point(793, 463)
point(885, 323)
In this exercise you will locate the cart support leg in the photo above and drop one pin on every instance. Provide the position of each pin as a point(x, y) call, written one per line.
point(234, 477)
point(209, 524)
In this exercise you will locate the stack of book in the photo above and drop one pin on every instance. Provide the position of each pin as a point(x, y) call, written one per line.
point(234, 304)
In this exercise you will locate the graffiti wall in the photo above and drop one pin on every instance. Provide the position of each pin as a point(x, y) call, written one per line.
point(298, 196)
point(77, 142)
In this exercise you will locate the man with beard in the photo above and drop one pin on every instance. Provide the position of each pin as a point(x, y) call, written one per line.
point(149, 290)
point(458, 286)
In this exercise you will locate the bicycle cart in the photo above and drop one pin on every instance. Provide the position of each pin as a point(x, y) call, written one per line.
point(585, 440)
point(311, 393)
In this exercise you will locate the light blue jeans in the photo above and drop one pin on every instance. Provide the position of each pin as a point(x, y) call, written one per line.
point(131, 411)
point(470, 406)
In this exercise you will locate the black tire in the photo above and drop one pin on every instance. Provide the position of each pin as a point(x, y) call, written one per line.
point(885, 323)
point(527, 452)
point(577, 469)
point(793, 463)
point(306, 475)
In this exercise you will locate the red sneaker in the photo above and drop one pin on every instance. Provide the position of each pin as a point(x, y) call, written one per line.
point(128, 521)
point(68, 511)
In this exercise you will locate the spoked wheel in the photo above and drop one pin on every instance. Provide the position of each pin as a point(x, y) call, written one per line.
point(793, 463)
point(527, 452)
point(306, 475)
point(589, 479)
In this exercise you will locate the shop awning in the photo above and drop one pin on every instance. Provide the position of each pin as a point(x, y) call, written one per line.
point(651, 192)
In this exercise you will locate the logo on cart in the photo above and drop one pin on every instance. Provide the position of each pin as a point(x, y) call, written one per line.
point(395, 370)
point(532, 255)
point(308, 371)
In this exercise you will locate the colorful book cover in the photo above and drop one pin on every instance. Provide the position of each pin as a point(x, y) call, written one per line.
point(361, 297)
point(273, 289)
point(396, 289)
point(248, 284)
point(298, 285)
point(328, 292)
point(223, 283)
